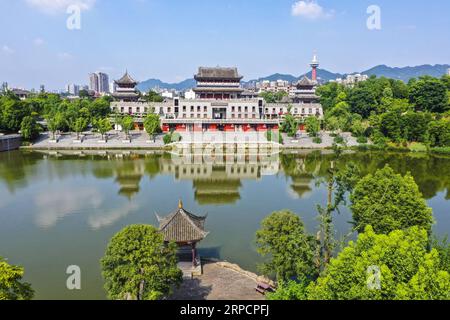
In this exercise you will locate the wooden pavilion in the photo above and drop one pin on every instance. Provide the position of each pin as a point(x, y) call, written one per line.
point(185, 229)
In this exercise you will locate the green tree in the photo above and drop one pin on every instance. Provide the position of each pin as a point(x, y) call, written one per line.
point(283, 239)
point(152, 124)
point(103, 126)
point(363, 100)
point(312, 126)
point(289, 125)
point(439, 133)
point(127, 124)
point(11, 285)
point(429, 94)
point(29, 128)
point(78, 125)
point(139, 265)
point(153, 96)
point(388, 201)
point(407, 270)
point(55, 122)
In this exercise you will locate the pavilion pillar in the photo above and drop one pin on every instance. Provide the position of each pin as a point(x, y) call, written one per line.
point(194, 254)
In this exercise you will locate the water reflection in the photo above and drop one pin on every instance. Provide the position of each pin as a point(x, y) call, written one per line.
point(217, 177)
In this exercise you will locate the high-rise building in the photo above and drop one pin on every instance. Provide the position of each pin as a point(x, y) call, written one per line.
point(73, 89)
point(103, 82)
point(112, 87)
point(42, 88)
point(93, 82)
point(448, 71)
point(5, 87)
point(99, 82)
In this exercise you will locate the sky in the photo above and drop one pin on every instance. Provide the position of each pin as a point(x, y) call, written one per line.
point(170, 39)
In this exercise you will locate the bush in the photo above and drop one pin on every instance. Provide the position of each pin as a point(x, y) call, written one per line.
point(418, 147)
point(339, 139)
point(317, 140)
point(176, 137)
point(361, 140)
point(167, 139)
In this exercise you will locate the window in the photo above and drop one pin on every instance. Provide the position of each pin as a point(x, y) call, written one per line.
point(192, 108)
point(233, 108)
point(184, 115)
point(246, 109)
point(199, 109)
point(130, 110)
point(310, 111)
point(205, 116)
point(169, 109)
point(138, 109)
point(254, 109)
point(184, 108)
point(122, 109)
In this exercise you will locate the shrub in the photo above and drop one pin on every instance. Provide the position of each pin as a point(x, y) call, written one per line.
point(339, 139)
point(361, 140)
point(317, 140)
point(167, 139)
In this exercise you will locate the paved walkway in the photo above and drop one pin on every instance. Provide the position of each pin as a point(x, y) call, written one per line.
point(92, 141)
point(306, 142)
point(218, 283)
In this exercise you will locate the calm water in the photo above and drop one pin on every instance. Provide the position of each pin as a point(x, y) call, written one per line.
point(58, 210)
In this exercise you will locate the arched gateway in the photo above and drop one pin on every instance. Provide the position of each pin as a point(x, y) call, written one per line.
point(185, 229)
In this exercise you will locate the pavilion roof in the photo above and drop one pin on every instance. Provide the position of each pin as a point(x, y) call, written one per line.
point(305, 82)
point(126, 79)
point(182, 226)
point(218, 73)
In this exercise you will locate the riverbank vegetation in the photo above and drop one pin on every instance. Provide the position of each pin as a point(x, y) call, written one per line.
point(394, 256)
point(413, 116)
point(58, 114)
point(139, 265)
point(11, 285)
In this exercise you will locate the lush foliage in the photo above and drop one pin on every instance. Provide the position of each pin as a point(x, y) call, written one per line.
point(29, 128)
point(11, 285)
point(388, 201)
point(407, 270)
point(152, 124)
point(312, 126)
point(289, 249)
point(138, 265)
point(389, 110)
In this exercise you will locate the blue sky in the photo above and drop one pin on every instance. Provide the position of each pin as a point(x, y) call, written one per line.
point(169, 39)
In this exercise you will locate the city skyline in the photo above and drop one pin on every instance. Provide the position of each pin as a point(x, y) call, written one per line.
point(167, 40)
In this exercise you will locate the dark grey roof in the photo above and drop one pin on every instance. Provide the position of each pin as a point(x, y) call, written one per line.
point(305, 82)
point(182, 227)
point(20, 92)
point(126, 79)
point(218, 73)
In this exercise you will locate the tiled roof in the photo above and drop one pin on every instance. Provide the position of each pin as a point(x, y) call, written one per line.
point(126, 79)
point(218, 72)
point(182, 227)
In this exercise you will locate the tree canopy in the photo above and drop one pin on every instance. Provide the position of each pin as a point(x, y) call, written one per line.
point(402, 264)
point(139, 265)
point(284, 241)
point(11, 285)
point(388, 201)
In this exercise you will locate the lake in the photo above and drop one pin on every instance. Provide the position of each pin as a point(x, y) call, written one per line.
point(61, 209)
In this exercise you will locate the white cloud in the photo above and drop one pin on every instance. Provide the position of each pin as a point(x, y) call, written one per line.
point(7, 50)
point(38, 42)
point(309, 9)
point(64, 56)
point(59, 6)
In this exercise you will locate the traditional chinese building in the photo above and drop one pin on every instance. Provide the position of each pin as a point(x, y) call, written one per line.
point(126, 89)
point(218, 83)
point(220, 104)
point(185, 229)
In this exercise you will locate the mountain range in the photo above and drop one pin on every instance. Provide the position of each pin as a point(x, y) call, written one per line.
point(404, 74)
